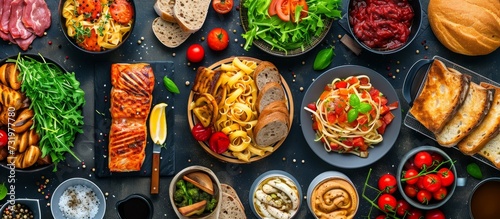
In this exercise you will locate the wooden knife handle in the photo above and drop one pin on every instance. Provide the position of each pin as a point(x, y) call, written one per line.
point(155, 174)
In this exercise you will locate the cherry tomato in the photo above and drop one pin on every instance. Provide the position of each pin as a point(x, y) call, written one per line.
point(432, 182)
point(201, 133)
point(283, 10)
point(387, 202)
point(222, 6)
point(3, 138)
point(219, 142)
point(387, 183)
point(195, 53)
point(420, 183)
point(91, 9)
point(414, 213)
point(341, 84)
point(434, 214)
point(90, 42)
point(293, 6)
point(218, 39)
point(424, 196)
point(436, 159)
point(440, 194)
point(412, 176)
point(446, 175)
point(410, 190)
point(312, 106)
point(121, 11)
point(382, 216)
point(423, 160)
point(402, 207)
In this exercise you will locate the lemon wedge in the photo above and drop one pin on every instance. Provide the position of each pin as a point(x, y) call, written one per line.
point(158, 123)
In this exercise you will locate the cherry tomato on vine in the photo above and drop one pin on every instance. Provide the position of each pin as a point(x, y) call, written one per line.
point(382, 216)
point(434, 214)
point(423, 159)
point(218, 39)
point(387, 202)
point(424, 196)
point(440, 194)
point(432, 182)
point(195, 53)
point(3, 138)
point(219, 142)
point(222, 6)
point(387, 183)
point(446, 175)
point(412, 176)
point(414, 213)
point(410, 190)
point(402, 207)
point(436, 158)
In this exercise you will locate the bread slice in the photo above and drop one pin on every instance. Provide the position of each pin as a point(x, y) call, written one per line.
point(271, 92)
point(440, 98)
point(491, 151)
point(488, 129)
point(191, 14)
point(469, 115)
point(271, 129)
point(170, 34)
point(276, 106)
point(266, 72)
point(165, 9)
point(226, 188)
point(231, 208)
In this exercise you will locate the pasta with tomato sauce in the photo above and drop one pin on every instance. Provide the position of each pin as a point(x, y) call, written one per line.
point(98, 25)
point(351, 115)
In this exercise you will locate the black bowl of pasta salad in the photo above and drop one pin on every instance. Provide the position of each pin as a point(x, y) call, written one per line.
point(97, 26)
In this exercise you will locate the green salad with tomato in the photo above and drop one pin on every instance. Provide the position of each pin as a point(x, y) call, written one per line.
point(288, 24)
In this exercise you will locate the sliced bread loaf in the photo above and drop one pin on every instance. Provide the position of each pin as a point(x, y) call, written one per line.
point(442, 95)
point(491, 151)
point(165, 9)
point(266, 72)
point(488, 129)
point(170, 34)
point(191, 14)
point(469, 115)
point(271, 92)
point(226, 188)
point(231, 208)
point(276, 106)
point(271, 129)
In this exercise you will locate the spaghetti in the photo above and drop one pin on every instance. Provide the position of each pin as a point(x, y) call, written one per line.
point(351, 115)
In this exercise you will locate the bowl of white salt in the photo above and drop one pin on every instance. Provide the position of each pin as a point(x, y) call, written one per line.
point(78, 198)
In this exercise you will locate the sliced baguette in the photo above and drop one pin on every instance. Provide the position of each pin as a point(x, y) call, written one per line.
point(264, 73)
point(442, 95)
point(191, 14)
point(226, 188)
point(276, 106)
point(469, 115)
point(231, 208)
point(488, 129)
point(491, 151)
point(165, 9)
point(271, 92)
point(271, 129)
point(170, 34)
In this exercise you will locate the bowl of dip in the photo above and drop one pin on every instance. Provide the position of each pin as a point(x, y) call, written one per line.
point(384, 28)
point(332, 194)
point(275, 194)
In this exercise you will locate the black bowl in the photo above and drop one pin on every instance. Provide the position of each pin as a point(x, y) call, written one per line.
point(414, 29)
point(73, 41)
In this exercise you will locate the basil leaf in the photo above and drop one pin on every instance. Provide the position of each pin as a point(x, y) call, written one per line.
point(323, 59)
point(170, 85)
point(352, 115)
point(474, 170)
point(354, 101)
point(3, 191)
point(364, 108)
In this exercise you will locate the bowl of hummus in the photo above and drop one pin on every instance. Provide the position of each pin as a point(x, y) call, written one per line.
point(275, 194)
point(332, 194)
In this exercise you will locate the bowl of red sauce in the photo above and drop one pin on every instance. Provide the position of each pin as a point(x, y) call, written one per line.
point(384, 26)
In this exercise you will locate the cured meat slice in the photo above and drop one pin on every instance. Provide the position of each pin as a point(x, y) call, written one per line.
point(36, 16)
point(24, 44)
point(131, 97)
point(4, 19)
point(16, 27)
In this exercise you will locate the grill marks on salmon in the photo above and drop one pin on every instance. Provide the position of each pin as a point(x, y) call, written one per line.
point(131, 97)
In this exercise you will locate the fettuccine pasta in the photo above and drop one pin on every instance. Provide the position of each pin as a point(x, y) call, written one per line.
point(98, 25)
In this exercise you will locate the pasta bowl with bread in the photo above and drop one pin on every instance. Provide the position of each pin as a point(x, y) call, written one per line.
point(350, 116)
point(240, 109)
point(97, 27)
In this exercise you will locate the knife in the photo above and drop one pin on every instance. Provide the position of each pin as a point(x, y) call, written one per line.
point(158, 140)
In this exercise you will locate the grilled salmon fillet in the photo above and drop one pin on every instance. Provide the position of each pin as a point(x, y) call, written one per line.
point(131, 97)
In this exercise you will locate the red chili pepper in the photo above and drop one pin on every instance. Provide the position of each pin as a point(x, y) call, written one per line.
point(219, 142)
point(201, 133)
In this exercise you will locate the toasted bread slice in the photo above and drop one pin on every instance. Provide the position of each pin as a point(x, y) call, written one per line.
point(442, 95)
point(266, 72)
point(488, 129)
point(469, 116)
point(165, 9)
point(491, 151)
point(271, 92)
